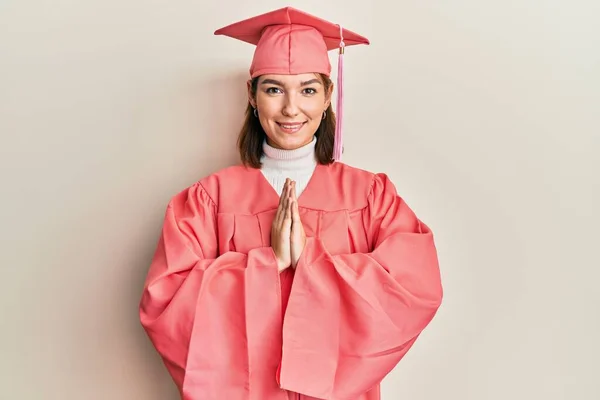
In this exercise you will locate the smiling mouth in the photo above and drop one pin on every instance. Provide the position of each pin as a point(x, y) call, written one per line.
point(290, 128)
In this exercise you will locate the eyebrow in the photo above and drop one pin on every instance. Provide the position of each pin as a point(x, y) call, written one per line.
point(274, 82)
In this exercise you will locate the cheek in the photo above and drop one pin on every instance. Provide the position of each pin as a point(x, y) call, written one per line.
point(267, 106)
point(314, 109)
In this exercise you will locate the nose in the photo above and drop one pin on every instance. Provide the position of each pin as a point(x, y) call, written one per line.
point(290, 108)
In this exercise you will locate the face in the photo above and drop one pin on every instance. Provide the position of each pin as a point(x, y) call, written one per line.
point(290, 108)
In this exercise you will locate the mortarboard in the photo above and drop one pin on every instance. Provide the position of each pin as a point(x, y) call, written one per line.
point(289, 41)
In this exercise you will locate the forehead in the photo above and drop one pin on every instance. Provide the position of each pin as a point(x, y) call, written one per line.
point(291, 80)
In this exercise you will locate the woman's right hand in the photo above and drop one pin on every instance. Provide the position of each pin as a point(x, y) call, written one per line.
point(281, 228)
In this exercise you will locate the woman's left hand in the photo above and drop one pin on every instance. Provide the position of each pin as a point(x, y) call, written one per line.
point(297, 237)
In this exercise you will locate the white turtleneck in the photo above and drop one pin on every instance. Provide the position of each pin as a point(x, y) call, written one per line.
point(298, 165)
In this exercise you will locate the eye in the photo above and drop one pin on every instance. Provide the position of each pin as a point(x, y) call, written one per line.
point(273, 90)
point(310, 91)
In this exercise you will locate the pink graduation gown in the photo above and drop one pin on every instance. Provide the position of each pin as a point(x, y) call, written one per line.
point(230, 327)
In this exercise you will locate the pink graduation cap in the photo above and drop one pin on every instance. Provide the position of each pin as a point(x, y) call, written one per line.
point(289, 42)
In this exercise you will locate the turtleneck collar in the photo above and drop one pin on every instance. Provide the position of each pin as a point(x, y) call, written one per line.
point(297, 159)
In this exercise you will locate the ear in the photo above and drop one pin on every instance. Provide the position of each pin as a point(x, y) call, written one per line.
point(328, 96)
point(251, 98)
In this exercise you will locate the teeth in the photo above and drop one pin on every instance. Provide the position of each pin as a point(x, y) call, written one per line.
point(290, 126)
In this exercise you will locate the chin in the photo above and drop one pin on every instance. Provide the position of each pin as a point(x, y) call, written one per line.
point(291, 143)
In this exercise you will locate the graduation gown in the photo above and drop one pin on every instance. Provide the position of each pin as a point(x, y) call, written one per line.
point(229, 326)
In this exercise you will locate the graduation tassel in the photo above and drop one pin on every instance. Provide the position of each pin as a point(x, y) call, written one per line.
point(338, 143)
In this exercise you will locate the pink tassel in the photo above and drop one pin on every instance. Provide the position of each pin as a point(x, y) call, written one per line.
point(338, 143)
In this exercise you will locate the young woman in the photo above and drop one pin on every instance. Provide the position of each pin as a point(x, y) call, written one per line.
point(292, 275)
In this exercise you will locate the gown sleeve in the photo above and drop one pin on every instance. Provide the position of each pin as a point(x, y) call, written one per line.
point(352, 317)
point(193, 297)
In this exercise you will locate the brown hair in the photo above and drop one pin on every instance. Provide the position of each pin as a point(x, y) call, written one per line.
point(252, 135)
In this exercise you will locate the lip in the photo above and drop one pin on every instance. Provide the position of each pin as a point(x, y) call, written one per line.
point(290, 127)
point(291, 123)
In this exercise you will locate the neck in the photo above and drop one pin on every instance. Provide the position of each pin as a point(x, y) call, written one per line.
point(302, 157)
point(298, 165)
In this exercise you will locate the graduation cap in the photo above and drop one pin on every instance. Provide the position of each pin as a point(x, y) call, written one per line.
point(289, 42)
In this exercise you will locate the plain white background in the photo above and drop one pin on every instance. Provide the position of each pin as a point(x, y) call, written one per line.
point(484, 113)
